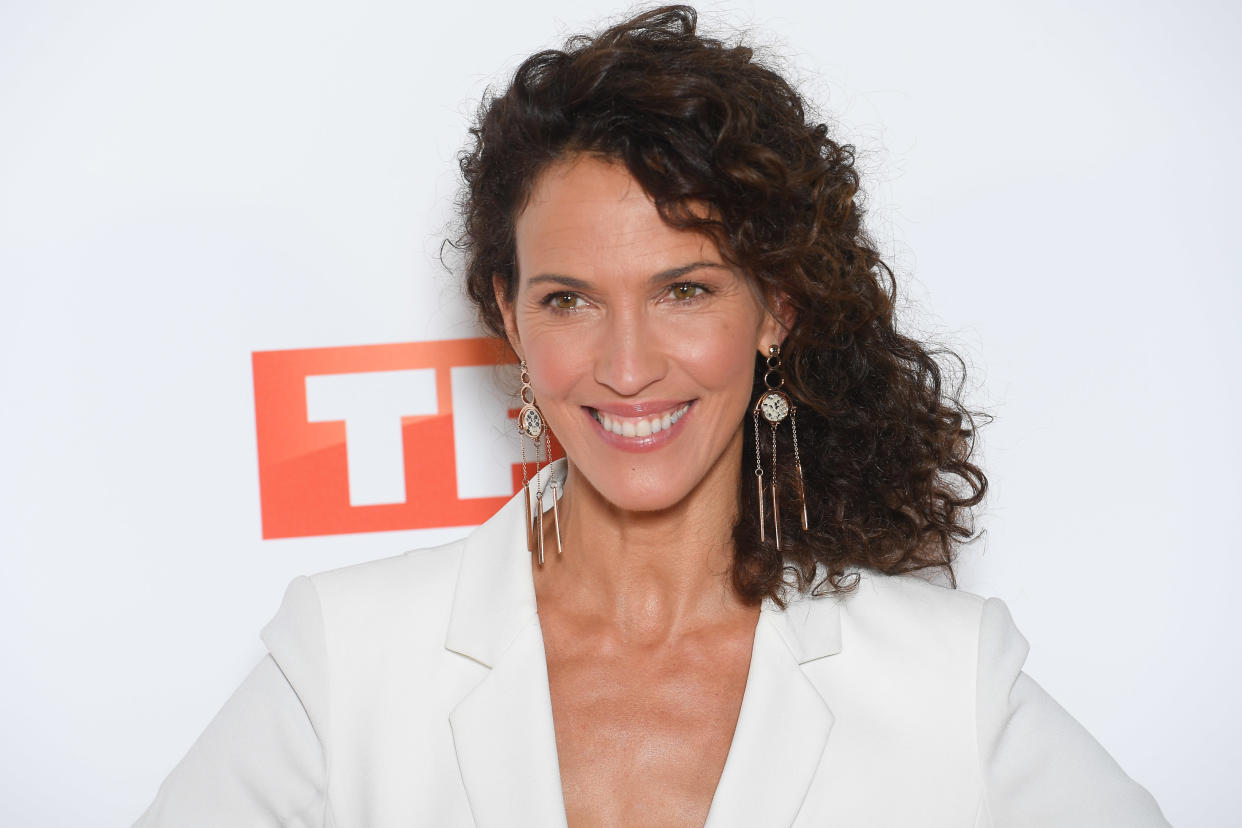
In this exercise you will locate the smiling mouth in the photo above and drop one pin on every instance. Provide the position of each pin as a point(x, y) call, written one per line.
point(640, 426)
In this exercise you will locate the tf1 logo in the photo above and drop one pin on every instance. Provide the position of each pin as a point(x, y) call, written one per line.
point(370, 438)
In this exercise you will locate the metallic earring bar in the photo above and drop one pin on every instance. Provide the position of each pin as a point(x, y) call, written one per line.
point(556, 494)
point(556, 516)
point(776, 506)
point(793, 423)
point(530, 531)
point(759, 478)
point(539, 523)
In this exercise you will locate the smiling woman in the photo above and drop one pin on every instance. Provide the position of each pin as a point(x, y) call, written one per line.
point(756, 462)
point(703, 138)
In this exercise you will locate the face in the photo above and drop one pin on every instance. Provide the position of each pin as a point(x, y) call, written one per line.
point(639, 339)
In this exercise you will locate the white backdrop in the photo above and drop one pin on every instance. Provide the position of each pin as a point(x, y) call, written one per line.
point(182, 184)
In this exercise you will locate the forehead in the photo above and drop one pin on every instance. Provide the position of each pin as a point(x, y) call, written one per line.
point(588, 215)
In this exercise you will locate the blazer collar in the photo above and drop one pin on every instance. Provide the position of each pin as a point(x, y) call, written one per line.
point(495, 593)
point(502, 725)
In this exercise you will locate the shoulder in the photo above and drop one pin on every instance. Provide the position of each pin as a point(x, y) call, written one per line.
point(419, 576)
point(398, 596)
point(913, 600)
point(407, 596)
point(907, 621)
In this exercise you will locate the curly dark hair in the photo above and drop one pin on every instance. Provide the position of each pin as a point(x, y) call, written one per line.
point(885, 446)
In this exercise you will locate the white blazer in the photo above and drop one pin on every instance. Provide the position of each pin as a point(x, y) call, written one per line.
point(413, 691)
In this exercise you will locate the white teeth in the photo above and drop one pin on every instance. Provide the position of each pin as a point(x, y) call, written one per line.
point(640, 427)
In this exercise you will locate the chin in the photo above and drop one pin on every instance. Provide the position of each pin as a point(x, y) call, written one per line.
point(630, 500)
point(640, 487)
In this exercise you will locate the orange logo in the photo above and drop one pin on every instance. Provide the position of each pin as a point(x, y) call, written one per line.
point(371, 438)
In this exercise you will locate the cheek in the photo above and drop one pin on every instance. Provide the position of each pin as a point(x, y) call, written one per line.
point(719, 357)
point(555, 366)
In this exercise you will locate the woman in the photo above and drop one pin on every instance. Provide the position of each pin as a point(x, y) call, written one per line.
point(705, 613)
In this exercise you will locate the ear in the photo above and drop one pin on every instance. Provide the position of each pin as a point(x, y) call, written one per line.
point(499, 288)
point(778, 318)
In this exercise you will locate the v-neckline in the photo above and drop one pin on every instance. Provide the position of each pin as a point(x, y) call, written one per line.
point(750, 671)
point(501, 722)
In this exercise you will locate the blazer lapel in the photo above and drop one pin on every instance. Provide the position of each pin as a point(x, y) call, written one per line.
point(783, 726)
point(505, 741)
point(502, 725)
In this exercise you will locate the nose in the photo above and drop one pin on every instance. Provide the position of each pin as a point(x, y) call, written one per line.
point(628, 358)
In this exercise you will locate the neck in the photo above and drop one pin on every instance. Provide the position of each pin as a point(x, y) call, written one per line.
point(651, 576)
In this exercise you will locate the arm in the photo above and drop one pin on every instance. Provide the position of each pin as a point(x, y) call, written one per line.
point(261, 761)
point(1040, 766)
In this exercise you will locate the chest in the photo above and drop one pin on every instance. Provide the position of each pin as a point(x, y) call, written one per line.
point(639, 728)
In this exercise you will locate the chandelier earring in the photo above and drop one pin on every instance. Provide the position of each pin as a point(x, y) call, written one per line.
point(775, 407)
point(532, 426)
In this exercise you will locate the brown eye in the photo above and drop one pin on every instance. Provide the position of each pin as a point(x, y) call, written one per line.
point(564, 301)
point(686, 290)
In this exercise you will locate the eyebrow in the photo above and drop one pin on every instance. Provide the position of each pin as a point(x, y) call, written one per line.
point(663, 277)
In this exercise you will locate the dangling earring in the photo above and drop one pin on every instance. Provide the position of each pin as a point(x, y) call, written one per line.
point(531, 425)
point(775, 407)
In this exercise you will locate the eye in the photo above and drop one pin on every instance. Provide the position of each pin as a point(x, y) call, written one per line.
point(684, 291)
point(563, 301)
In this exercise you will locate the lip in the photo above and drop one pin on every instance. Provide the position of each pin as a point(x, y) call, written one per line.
point(640, 444)
point(640, 409)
